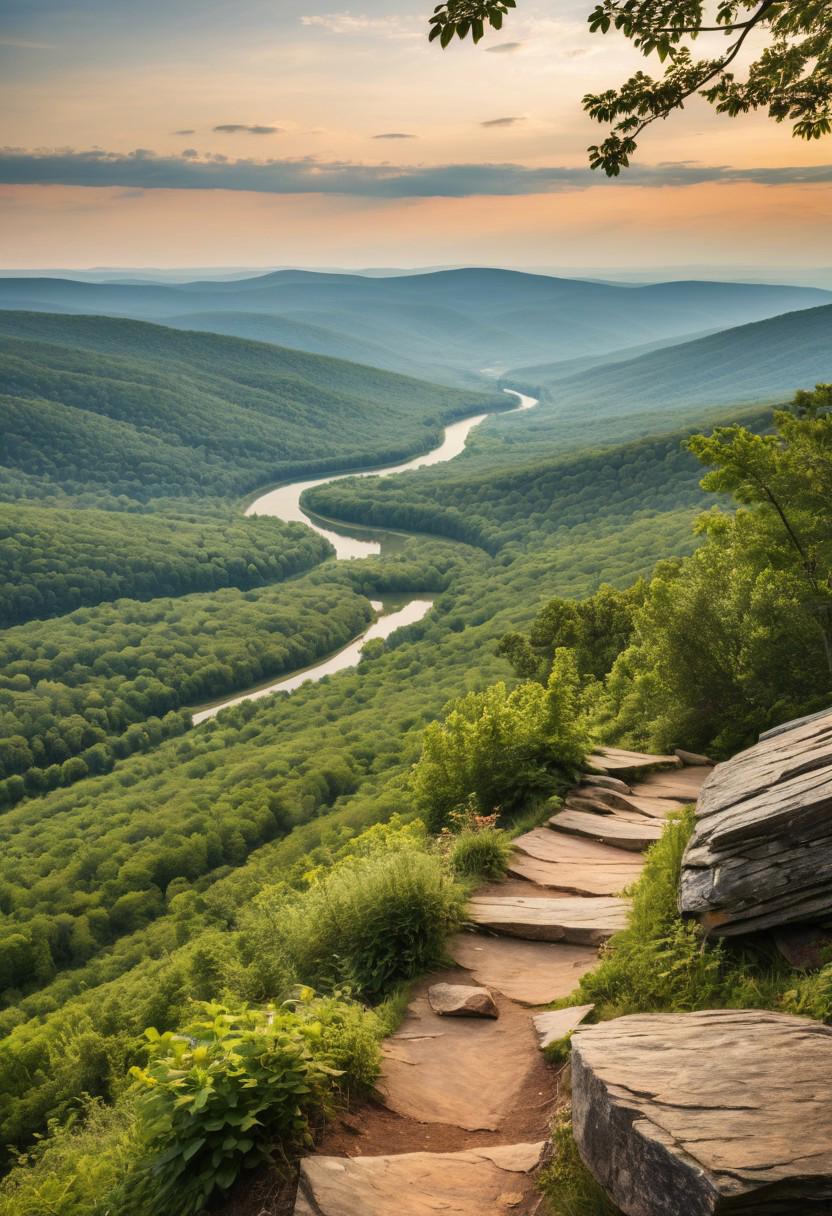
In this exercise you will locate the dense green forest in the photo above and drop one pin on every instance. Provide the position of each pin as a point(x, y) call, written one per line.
point(92, 404)
point(529, 504)
point(79, 692)
point(147, 863)
point(55, 561)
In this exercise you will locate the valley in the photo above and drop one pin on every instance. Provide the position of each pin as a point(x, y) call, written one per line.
point(164, 805)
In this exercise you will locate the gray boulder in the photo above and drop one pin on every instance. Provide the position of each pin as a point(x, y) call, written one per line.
point(462, 1001)
point(705, 1114)
point(761, 852)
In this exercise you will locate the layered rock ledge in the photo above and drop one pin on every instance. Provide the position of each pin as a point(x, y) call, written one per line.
point(701, 1114)
point(761, 851)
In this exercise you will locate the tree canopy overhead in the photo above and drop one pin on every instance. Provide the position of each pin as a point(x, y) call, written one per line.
point(791, 75)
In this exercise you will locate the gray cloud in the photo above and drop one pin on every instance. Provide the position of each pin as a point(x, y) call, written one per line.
point(394, 135)
point(142, 169)
point(189, 154)
point(186, 131)
point(504, 48)
point(237, 128)
point(502, 122)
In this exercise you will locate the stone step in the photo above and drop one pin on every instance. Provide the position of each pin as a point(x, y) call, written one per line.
point(613, 761)
point(608, 783)
point(604, 802)
point(583, 921)
point(681, 786)
point(530, 973)
point(567, 863)
point(700, 1114)
point(461, 1072)
point(498, 1181)
point(615, 830)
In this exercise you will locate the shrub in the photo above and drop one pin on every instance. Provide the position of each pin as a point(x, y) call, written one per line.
point(566, 1182)
point(220, 1095)
point(499, 747)
point(373, 923)
point(483, 854)
point(79, 1169)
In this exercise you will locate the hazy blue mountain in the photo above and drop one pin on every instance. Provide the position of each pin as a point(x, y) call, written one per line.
point(760, 363)
point(445, 323)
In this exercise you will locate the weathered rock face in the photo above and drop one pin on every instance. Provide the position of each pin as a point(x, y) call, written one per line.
point(556, 1024)
point(701, 1114)
point(462, 1001)
point(761, 853)
point(472, 1183)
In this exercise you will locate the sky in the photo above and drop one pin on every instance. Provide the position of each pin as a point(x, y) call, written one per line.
point(202, 133)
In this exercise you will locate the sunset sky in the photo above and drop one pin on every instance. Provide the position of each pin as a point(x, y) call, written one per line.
point(185, 133)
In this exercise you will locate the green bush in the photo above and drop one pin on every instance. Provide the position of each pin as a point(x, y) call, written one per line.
point(372, 924)
point(483, 854)
point(78, 1170)
point(498, 747)
point(222, 1094)
point(566, 1182)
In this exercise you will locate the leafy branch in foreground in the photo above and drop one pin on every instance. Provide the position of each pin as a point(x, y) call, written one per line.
point(791, 76)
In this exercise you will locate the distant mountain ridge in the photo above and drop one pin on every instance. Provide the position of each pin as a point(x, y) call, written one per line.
point(765, 361)
point(446, 325)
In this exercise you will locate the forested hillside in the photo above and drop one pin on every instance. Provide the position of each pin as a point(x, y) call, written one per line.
point(92, 404)
point(56, 560)
point(530, 504)
point(752, 363)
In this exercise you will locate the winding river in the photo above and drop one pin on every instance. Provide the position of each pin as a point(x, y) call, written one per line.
point(351, 542)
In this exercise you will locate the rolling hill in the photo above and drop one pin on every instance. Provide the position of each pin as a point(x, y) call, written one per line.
point(103, 404)
point(763, 362)
point(449, 324)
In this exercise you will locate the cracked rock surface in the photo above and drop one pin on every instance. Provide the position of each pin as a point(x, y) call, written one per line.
point(761, 851)
point(700, 1114)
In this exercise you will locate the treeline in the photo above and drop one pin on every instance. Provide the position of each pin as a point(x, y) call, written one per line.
point(82, 691)
point(55, 561)
point(527, 505)
point(101, 404)
point(718, 646)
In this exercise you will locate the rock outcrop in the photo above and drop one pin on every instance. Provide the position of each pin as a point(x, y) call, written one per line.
point(701, 1114)
point(761, 852)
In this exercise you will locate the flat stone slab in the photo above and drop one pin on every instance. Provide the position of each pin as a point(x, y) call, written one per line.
point(681, 786)
point(566, 863)
point(530, 973)
point(700, 1114)
point(617, 760)
point(459, 1071)
point(615, 830)
point(477, 1181)
point(761, 851)
point(584, 921)
point(556, 1024)
point(604, 802)
point(462, 1001)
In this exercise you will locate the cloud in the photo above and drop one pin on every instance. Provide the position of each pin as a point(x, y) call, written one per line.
point(237, 128)
point(502, 122)
point(185, 131)
point(189, 154)
point(394, 135)
point(143, 169)
point(24, 44)
point(360, 24)
point(504, 48)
